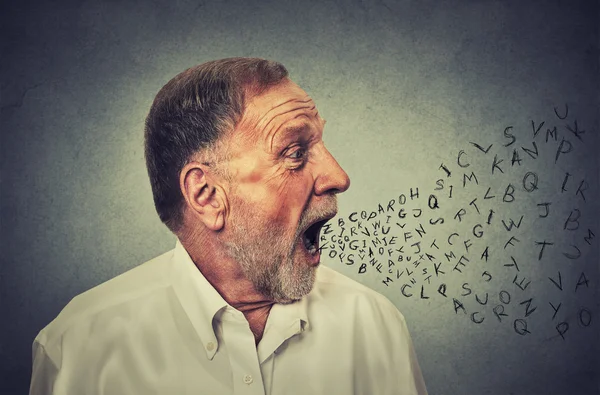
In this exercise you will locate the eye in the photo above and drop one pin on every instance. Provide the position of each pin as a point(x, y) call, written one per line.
point(297, 153)
point(296, 156)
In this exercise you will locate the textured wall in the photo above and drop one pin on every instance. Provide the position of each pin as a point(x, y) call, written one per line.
point(405, 87)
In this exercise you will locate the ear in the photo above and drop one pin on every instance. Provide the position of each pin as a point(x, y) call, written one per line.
point(204, 199)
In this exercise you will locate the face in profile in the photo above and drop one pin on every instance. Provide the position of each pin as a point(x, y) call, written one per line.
point(283, 186)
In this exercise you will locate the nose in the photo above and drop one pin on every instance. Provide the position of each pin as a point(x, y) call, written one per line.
point(330, 177)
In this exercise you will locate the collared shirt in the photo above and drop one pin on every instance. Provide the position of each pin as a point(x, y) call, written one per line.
point(161, 328)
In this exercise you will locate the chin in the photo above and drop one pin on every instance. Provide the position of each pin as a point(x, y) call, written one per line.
point(293, 287)
point(287, 301)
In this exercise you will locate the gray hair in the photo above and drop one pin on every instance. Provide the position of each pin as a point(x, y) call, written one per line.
point(191, 114)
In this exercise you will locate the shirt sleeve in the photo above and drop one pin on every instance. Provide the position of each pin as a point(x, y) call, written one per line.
point(44, 371)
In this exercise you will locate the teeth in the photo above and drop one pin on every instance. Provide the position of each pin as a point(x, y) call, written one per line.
point(311, 248)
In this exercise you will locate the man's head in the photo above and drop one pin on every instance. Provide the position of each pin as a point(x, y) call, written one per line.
point(191, 114)
point(235, 154)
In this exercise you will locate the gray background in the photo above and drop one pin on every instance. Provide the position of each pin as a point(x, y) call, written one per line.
point(404, 85)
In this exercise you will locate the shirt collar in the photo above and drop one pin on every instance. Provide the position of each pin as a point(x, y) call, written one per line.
point(197, 296)
point(201, 302)
point(297, 311)
point(284, 322)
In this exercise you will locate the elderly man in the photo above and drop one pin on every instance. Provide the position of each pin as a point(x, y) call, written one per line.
point(241, 176)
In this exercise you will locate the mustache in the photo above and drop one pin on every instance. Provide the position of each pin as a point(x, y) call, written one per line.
point(326, 209)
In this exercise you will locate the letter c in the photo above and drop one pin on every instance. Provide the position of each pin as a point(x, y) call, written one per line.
point(449, 237)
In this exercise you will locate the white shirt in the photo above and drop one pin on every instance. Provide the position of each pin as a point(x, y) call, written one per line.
point(161, 328)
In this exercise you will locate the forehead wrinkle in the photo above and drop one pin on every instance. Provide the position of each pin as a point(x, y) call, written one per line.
point(304, 100)
point(266, 126)
point(271, 133)
point(266, 115)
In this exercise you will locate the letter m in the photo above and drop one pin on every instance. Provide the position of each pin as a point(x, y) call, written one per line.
point(470, 178)
point(450, 255)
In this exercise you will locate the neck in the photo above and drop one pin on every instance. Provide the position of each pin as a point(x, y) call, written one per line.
point(225, 275)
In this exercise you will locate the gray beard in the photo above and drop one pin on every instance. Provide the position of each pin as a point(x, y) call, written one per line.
point(267, 259)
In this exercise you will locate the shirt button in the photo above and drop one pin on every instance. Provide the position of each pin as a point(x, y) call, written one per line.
point(248, 379)
point(210, 346)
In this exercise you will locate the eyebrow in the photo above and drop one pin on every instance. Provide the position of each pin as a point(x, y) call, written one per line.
point(295, 129)
point(288, 132)
point(292, 130)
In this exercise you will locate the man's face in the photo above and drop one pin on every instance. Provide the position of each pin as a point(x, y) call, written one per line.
point(282, 190)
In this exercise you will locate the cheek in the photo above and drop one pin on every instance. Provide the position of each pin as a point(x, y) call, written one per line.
point(279, 196)
point(250, 170)
point(292, 194)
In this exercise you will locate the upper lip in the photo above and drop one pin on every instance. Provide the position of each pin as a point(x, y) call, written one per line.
point(324, 219)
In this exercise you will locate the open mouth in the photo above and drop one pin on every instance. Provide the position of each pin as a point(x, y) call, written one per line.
point(310, 237)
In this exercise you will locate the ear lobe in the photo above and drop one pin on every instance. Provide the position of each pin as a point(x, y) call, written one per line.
point(203, 198)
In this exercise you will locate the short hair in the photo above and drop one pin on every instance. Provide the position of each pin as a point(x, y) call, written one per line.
point(191, 114)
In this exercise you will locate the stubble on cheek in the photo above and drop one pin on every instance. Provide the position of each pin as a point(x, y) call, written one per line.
point(267, 250)
point(261, 249)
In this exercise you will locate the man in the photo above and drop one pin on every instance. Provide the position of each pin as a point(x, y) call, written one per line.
point(240, 174)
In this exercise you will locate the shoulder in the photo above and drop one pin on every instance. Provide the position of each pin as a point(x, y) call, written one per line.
point(124, 291)
point(367, 325)
point(347, 296)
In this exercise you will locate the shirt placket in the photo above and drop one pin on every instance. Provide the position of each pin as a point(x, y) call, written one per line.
point(274, 342)
point(241, 346)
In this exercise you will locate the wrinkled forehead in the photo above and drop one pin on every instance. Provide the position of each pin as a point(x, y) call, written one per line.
point(278, 105)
